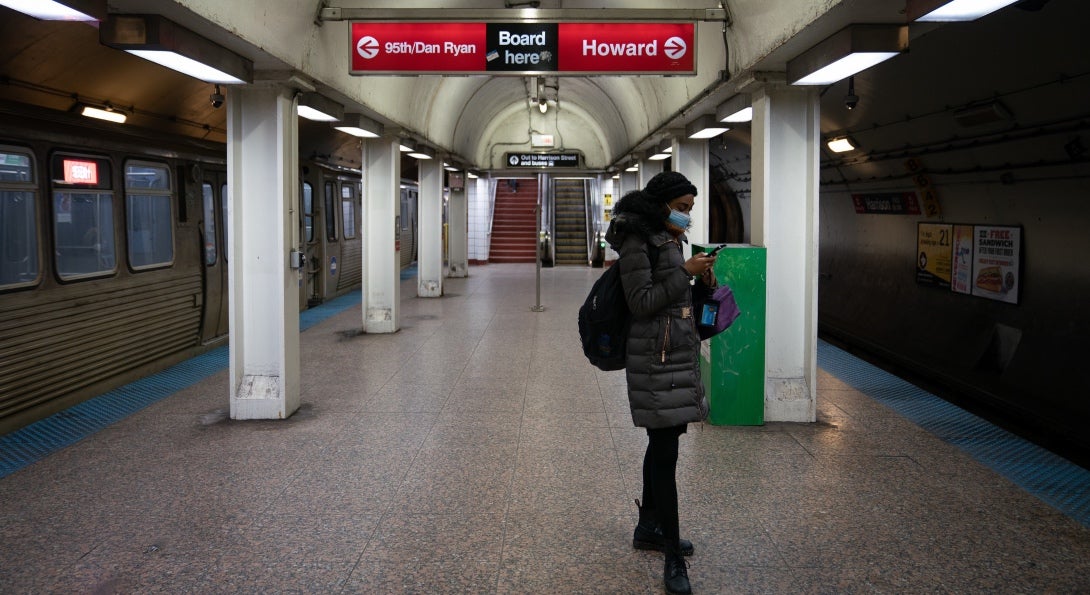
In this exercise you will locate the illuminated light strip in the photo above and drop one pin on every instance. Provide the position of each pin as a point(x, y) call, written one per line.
point(47, 10)
point(845, 67)
point(187, 66)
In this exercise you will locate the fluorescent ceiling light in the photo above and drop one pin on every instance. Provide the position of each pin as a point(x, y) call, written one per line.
point(633, 167)
point(103, 114)
point(845, 67)
point(422, 153)
point(356, 131)
point(841, 144)
point(358, 125)
point(735, 109)
point(952, 10)
point(317, 107)
point(404, 147)
point(164, 42)
point(471, 175)
point(188, 66)
point(48, 10)
point(705, 127)
point(846, 52)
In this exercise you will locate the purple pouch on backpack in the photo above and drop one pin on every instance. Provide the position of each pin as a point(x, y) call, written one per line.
point(715, 312)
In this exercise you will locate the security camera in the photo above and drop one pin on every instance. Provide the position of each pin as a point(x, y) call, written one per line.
point(216, 98)
point(851, 100)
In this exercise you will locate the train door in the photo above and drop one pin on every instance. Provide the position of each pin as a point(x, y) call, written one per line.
point(311, 288)
point(330, 245)
point(214, 254)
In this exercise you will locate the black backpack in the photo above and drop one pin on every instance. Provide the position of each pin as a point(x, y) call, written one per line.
point(604, 320)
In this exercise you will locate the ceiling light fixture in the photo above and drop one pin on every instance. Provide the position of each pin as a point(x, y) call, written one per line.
point(107, 113)
point(841, 144)
point(951, 10)
point(421, 152)
point(359, 125)
point(846, 52)
point(662, 150)
point(318, 107)
point(735, 109)
point(705, 126)
point(164, 42)
point(68, 10)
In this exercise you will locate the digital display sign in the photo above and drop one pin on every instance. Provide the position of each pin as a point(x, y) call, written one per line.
point(522, 48)
point(80, 172)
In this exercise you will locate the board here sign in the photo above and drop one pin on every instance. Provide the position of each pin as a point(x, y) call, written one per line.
point(522, 48)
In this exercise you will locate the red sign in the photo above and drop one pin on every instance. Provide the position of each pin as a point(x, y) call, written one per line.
point(522, 48)
point(627, 47)
point(80, 172)
point(417, 47)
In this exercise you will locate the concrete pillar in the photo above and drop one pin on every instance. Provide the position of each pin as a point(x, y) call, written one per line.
point(785, 220)
point(628, 182)
point(648, 169)
point(263, 184)
point(429, 279)
point(690, 158)
point(381, 290)
point(458, 230)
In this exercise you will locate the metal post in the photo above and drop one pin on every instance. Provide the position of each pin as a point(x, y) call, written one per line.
point(537, 307)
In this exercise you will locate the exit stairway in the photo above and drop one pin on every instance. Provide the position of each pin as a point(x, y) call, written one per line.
point(514, 224)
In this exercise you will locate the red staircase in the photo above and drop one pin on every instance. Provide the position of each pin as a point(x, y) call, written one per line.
point(514, 224)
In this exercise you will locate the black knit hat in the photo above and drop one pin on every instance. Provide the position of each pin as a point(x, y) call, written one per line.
point(668, 185)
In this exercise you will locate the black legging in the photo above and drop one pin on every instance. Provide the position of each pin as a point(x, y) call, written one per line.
point(660, 481)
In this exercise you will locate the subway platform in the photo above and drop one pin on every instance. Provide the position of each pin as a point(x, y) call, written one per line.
point(476, 451)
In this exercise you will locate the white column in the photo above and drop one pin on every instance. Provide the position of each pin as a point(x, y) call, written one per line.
point(429, 279)
point(458, 231)
point(691, 160)
point(381, 290)
point(785, 221)
point(628, 182)
point(648, 169)
point(263, 182)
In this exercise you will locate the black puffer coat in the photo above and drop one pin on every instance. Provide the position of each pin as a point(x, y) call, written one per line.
point(663, 350)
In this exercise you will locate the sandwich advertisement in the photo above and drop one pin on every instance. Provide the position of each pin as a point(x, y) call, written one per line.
point(980, 260)
point(996, 258)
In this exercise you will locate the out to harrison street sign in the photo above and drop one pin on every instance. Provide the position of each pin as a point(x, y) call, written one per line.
point(523, 48)
point(542, 159)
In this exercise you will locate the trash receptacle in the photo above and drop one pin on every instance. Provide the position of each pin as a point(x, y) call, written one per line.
point(732, 363)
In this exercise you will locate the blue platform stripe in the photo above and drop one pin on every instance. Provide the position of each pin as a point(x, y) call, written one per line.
point(44, 437)
point(1055, 480)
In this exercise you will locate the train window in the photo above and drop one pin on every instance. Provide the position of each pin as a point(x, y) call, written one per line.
point(225, 204)
point(308, 210)
point(209, 225)
point(348, 211)
point(83, 216)
point(330, 214)
point(149, 218)
point(18, 220)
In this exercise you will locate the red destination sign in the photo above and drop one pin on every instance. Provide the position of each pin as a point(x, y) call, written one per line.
point(627, 47)
point(522, 48)
point(80, 172)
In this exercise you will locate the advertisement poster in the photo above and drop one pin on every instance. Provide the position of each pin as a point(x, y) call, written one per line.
point(933, 254)
point(961, 276)
point(996, 262)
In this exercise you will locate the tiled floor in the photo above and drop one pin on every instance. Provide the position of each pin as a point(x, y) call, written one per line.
point(475, 451)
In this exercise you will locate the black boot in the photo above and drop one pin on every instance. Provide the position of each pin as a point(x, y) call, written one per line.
point(675, 575)
point(648, 533)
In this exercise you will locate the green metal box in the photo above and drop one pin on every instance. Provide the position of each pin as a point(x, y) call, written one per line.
point(732, 363)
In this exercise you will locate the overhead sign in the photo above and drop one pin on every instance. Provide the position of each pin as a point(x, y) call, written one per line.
point(523, 48)
point(543, 160)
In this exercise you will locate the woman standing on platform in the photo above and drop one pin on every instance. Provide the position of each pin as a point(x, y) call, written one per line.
point(662, 363)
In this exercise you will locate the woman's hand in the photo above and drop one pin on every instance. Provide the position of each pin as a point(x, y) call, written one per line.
point(699, 264)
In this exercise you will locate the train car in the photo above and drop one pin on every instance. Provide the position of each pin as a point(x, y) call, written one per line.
point(113, 254)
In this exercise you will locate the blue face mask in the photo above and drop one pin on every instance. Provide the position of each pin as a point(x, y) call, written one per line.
point(679, 219)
